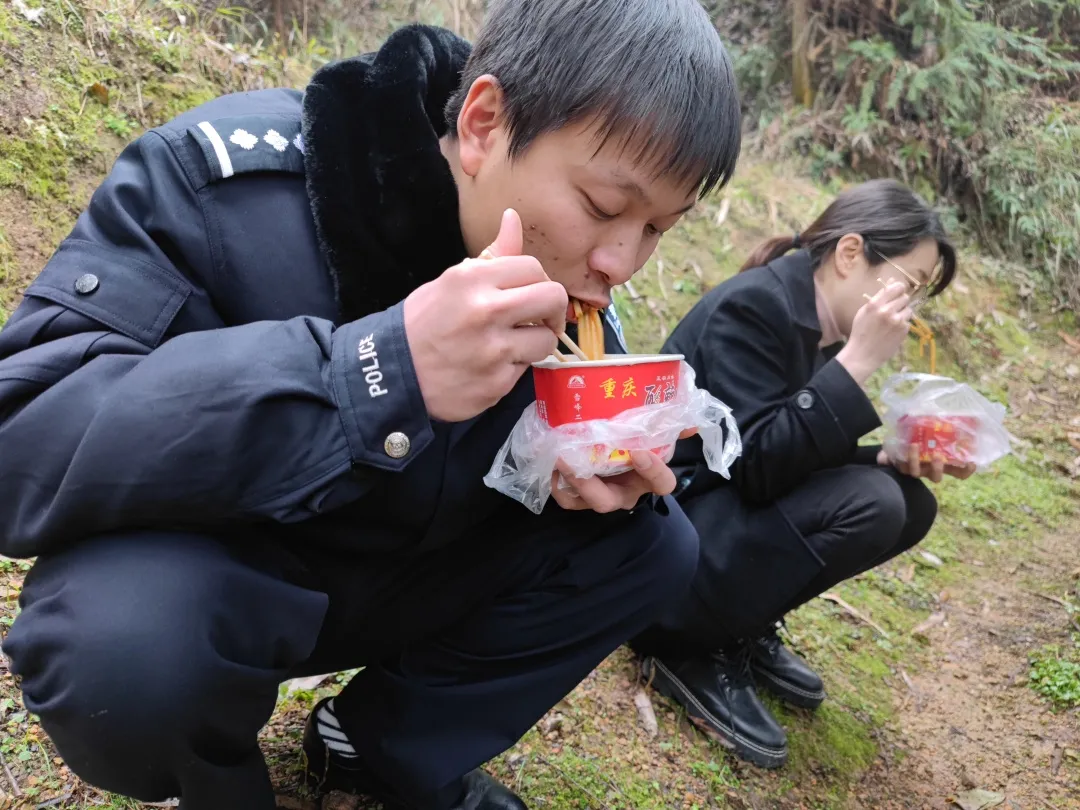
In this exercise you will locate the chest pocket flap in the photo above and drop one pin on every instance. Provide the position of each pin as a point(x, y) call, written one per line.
point(132, 297)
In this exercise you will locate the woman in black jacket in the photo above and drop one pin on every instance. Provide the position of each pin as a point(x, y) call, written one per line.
point(789, 344)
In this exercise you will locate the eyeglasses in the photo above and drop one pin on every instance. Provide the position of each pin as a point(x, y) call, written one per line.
point(919, 292)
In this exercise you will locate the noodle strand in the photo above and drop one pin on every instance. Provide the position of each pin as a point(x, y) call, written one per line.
point(590, 331)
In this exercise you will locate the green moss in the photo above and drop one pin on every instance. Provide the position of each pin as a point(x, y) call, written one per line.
point(36, 165)
point(841, 745)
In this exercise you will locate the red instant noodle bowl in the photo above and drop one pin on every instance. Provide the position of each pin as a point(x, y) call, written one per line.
point(571, 393)
point(592, 414)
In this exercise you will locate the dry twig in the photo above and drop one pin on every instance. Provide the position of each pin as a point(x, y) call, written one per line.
point(14, 785)
point(832, 597)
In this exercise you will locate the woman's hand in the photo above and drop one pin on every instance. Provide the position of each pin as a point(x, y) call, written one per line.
point(935, 470)
point(612, 493)
point(878, 332)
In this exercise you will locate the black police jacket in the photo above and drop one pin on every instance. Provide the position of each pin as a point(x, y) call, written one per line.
point(219, 342)
point(753, 343)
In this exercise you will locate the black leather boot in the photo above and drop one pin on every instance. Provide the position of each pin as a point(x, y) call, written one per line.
point(326, 771)
point(718, 690)
point(783, 673)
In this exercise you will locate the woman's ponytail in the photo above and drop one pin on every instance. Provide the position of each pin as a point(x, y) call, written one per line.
point(771, 250)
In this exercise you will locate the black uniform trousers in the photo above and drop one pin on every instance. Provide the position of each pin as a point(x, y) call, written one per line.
point(154, 659)
point(758, 564)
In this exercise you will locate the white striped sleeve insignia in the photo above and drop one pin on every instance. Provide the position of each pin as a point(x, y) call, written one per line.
point(250, 143)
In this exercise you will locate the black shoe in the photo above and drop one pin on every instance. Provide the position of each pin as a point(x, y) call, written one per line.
point(484, 793)
point(326, 771)
point(718, 691)
point(785, 674)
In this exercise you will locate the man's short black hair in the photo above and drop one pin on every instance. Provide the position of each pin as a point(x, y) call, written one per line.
point(652, 73)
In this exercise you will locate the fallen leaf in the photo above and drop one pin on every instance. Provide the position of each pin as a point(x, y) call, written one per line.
point(978, 800)
point(340, 801)
point(552, 722)
point(1070, 341)
point(646, 714)
point(933, 559)
point(908, 574)
point(932, 621)
point(99, 92)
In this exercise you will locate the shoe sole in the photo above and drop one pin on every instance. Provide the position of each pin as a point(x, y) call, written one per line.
point(665, 682)
point(787, 691)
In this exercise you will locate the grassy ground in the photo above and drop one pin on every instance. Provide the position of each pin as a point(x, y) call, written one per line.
point(993, 585)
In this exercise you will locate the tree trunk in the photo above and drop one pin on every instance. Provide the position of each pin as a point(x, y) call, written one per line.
point(801, 87)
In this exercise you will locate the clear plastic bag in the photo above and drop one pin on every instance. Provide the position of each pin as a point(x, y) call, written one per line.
point(944, 419)
point(523, 467)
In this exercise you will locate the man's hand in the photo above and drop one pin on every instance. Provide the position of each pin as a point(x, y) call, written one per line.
point(935, 470)
point(612, 493)
point(475, 329)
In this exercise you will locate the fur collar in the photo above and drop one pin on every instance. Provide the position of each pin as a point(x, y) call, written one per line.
point(382, 194)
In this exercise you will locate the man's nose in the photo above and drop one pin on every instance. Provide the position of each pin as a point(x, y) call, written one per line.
point(616, 260)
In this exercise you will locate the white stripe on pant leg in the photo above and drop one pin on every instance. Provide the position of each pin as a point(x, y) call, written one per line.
point(332, 733)
point(219, 148)
point(326, 715)
point(341, 749)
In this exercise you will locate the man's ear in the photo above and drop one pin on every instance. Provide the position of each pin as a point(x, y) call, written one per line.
point(479, 124)
point(849, 257)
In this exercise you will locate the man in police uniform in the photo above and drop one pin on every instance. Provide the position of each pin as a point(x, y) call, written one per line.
point(247, 407)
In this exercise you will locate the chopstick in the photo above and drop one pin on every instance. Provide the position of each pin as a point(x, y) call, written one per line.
point(573, 347)
point(578, 353)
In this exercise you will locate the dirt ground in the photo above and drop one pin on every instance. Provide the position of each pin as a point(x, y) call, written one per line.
point(968, 721)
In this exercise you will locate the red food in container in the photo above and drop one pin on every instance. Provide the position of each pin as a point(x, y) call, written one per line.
point(952, 438)
point(582, 391)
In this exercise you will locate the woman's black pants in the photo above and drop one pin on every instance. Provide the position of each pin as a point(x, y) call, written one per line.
point(759, 563)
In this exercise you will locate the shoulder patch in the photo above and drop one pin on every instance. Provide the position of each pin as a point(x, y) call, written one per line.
point(612, 318)
point(250, 143)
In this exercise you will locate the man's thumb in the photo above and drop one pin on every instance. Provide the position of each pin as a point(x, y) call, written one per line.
point(510, 240)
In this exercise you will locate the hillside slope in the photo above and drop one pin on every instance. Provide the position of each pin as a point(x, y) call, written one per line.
point(927, 668)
